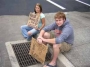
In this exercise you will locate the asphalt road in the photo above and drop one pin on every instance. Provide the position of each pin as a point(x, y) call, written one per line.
point(23, 7)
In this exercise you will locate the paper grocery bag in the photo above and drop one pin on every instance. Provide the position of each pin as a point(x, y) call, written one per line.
point(38, 51)
point(33, 20)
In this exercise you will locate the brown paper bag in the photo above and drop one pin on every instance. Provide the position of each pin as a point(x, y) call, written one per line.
point(33, 20)
point(38, 51)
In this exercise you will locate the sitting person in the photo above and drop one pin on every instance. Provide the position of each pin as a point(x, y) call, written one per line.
point(64, 36)
point(28, 31)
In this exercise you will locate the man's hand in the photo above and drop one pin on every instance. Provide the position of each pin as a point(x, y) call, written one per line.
point(39, 37)
point(43, 39)
point(39, 40)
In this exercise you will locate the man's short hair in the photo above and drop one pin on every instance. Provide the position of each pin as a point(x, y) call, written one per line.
point(60, 15)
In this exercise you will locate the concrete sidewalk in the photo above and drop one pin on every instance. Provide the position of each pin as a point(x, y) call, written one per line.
point(79, 56)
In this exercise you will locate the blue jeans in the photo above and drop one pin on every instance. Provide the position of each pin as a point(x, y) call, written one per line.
point(25, 29)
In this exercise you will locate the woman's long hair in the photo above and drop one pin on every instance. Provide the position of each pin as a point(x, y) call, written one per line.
point(38, 4)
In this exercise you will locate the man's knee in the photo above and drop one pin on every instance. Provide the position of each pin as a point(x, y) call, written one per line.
point(46, 35)
point(56, 46)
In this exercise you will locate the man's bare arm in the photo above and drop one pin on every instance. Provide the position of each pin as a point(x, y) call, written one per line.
point(41, 33)
point(52, 41)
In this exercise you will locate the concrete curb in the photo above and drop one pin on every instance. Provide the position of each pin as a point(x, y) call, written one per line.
point(62, 60)
point(65, 61)
point(11, 54)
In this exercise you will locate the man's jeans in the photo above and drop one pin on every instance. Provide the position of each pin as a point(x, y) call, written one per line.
point(25, 30)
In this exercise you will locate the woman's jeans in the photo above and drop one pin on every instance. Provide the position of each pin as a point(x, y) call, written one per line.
point(25, 29)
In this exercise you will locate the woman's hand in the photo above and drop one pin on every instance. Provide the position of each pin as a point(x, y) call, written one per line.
point(38, 29)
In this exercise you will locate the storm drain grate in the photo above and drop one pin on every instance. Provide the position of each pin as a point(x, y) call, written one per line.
point(22, 54)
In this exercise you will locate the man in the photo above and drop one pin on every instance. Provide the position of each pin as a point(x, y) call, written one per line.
point(64, 36)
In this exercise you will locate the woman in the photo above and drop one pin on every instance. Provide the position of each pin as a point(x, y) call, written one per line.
point(27, 31)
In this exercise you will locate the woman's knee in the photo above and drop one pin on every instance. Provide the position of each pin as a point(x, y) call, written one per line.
point(46, 35)
point(23, 26)
point(29, 33)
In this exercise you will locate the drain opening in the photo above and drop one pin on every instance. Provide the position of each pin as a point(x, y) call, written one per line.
point(21, 51)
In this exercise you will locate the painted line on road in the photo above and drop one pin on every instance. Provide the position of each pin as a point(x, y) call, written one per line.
point(83, 2)
point(56, 4)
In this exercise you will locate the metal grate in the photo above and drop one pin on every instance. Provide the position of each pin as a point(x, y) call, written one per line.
point(22, 54)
